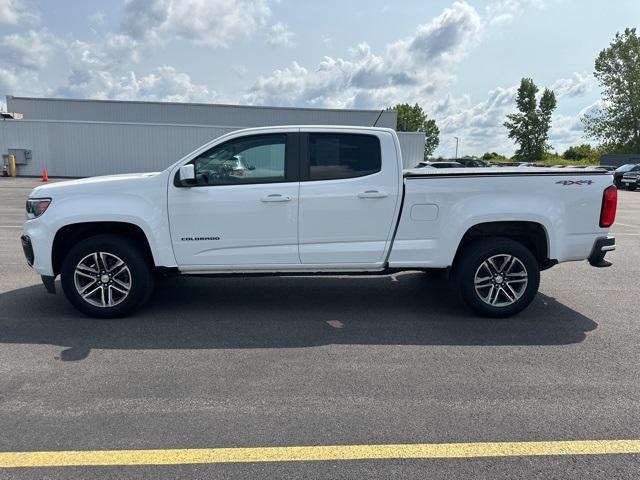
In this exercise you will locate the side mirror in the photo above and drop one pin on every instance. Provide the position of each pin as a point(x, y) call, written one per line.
point(187, 175)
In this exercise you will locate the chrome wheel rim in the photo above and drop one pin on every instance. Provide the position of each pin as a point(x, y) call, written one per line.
point(102, 279)
point(501, 280)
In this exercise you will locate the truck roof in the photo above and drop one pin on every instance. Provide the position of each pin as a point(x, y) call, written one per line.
point(322, 127)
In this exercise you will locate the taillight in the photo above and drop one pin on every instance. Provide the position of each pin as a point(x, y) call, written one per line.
point(609, 207)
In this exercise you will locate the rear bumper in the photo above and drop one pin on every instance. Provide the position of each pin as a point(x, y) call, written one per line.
point(600, 249)
point(630, 181)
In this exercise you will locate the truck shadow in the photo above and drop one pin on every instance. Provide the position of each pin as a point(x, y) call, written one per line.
point(205, 313)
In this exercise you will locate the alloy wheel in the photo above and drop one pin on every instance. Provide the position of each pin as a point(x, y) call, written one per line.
point(102, 279)
point(501, 280)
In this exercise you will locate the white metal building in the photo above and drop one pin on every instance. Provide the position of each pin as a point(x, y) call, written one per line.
point(78, 138)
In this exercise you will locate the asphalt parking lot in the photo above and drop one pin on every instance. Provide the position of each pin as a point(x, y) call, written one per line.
point(279, 362)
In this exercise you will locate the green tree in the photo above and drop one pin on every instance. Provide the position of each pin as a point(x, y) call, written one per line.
point(493, 157)
point(616, 124)
point(579, 152)
point(530, 127)
point(414, 119)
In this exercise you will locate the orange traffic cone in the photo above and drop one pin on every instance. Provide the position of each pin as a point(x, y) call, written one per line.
point(45, 175)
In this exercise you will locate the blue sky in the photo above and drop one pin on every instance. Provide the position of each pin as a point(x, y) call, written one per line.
point(461, 60)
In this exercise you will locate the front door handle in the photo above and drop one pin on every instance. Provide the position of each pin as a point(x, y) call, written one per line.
point(276, 197)
point(373, 194)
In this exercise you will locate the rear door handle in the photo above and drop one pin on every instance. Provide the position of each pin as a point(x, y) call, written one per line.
point(276, 197)
point(373, 194)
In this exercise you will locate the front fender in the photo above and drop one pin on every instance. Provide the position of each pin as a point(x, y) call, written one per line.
point(131, 208)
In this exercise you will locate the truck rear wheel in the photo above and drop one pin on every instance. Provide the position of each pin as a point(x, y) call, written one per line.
point(497, 277)
point(106, 276)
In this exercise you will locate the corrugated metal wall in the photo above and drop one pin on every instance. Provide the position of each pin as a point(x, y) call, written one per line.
point(238, 116)
point(412, 145)
point(82, 149)
point(79, 138)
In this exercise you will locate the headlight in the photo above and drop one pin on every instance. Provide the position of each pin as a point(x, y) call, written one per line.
point(37, 206)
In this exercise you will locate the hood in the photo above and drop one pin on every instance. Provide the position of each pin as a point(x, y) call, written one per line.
point(92, 184)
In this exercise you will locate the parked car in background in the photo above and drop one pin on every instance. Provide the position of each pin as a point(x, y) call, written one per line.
point(631, 180)
point(473, 162)
point(513, 164)
point(620, 171)
point(439, 165)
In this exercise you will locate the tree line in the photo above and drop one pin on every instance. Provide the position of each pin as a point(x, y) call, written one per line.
point(614, 125)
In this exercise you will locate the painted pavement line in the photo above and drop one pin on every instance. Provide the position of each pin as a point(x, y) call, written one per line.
point(316, 453)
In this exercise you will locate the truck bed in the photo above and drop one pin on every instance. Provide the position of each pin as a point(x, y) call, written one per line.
point(565, 202)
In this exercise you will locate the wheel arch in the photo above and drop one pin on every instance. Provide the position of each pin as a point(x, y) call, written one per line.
point(69, 235)
point(532, 235)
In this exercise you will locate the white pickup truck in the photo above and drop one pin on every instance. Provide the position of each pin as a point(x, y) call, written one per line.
point(302, 200)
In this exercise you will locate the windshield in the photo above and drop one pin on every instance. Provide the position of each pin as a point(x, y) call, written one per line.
point(625, 168)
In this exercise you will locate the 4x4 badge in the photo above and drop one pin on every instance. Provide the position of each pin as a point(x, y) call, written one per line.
point(574, 182)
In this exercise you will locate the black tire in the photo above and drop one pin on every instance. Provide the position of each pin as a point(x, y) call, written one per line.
point(630, 187)
point(472, 262)
point(138, 276)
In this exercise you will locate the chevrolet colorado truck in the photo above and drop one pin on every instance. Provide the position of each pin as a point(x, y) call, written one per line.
point(312, 200)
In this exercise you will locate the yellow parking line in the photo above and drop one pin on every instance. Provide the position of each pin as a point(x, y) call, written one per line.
point(315, 453)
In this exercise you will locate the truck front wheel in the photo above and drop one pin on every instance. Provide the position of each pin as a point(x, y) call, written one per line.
point(106, 276)
point(497, 277)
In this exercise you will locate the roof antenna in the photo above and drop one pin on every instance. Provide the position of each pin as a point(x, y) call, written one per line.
point(379, 115)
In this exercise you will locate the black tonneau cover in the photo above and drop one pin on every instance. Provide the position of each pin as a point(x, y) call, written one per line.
point(500, 171)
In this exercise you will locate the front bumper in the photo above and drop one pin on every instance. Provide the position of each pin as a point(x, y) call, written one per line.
point(40, 238)
point(27, 248)
point(600, 249)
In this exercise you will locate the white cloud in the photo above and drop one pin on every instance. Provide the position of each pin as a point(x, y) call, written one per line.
point(164, 84)
point(9, 11)
point(13, 12)
point(448, 36)
point(23, 82)
point(478, 126)
point(578, 84)
point(409, 69)
point(568, 130)
point(31, 50)
point(169, 85)
point(501, 11)
point(280, 36)
point(213, 23)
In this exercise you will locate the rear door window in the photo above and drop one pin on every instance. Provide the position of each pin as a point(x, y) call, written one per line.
point(343, 155)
